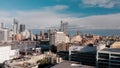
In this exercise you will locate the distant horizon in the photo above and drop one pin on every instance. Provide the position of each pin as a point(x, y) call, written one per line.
point(101, 32)
point(78, 28)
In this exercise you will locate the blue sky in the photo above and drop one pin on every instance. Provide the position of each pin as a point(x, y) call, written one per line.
point(47, 13)
point(75, 6)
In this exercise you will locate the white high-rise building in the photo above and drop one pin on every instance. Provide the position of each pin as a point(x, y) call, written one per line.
point(58, 37)
point(2, 25)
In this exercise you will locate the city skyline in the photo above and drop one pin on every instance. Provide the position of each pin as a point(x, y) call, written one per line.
point(94, 14)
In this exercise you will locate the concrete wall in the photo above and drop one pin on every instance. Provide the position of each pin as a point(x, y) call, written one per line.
point(6, 53)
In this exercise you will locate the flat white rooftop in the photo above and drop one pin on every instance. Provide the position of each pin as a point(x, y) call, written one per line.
point(71, 64)
point(110, 50)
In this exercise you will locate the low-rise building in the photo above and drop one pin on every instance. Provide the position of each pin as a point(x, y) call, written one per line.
point(115, 45)
point(76, 39)
point(108, 58)
point(58, 37)
point(63, 47)
point(6, 53)
point(83, 54)
point(100, 46)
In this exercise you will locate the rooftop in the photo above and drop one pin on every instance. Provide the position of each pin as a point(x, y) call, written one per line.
point(115, 45)
point(115, 50)
point(71, 64)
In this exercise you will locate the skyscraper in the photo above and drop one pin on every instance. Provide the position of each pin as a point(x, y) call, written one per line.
point(22, 27)
point(15, 26)
point(64, 27)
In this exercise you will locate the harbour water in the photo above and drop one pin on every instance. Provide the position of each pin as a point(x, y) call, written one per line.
point(101, 32)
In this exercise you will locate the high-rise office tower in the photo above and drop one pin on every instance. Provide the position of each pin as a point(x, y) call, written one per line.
point(15, 26)
point(31, 36)
point(22, 27)
point(61, 26)
point(64, 27)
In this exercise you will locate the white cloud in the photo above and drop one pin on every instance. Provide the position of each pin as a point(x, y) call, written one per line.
point(110, 21)
point(56, 7)
point(44, 18)
point(39, 19)
point(100, 3)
